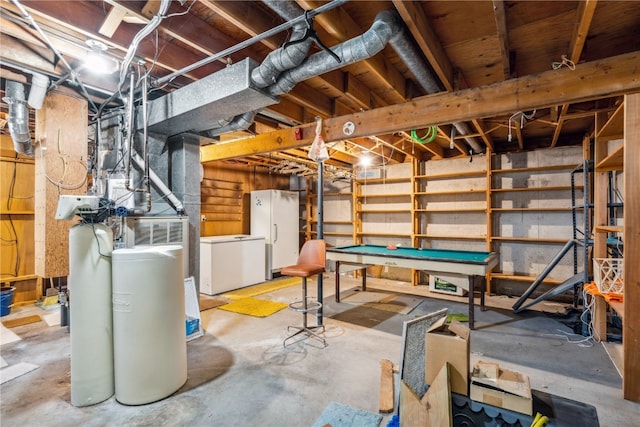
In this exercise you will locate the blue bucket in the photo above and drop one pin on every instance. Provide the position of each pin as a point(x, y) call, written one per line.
point(6, 299)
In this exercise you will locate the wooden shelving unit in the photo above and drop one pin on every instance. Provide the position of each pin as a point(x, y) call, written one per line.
point(376, 192)
point(535, 192)
point(623, 123)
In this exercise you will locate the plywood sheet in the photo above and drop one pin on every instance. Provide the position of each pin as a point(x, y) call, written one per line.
point(61, 156)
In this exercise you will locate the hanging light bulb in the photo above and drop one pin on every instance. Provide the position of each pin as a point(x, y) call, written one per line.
point(97, 61)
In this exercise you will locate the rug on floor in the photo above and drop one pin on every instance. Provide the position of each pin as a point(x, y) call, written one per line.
point(262, 288)
point(207, 303)
point(339, 415)
point(254, 307)
point(12, 323)
point(397, 303)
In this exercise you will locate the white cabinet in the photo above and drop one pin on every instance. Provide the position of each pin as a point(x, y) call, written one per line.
point(274, 215)
point(231, 262)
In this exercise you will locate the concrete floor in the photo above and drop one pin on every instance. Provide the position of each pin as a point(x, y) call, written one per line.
point(239, 374)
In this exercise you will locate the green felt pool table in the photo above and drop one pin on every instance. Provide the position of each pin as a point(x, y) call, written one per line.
point(473, 264)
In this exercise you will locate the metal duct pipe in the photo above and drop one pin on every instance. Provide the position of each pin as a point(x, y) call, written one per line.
point(463, 129)
point(160, 186)
point(18, 118)
point(239, 122)
point(287, 57)
point(413, 59)
point(385, 26)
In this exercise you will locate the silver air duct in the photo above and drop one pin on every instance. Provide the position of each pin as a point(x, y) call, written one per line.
point(385, 26)
point(286, 57)
point(239, 122)
point(18, 118)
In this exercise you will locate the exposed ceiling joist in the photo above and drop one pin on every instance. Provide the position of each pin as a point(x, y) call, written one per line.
point(586, 82)
point(586, 9)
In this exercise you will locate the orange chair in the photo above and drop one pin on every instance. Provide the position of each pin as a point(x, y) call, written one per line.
point(310, 262)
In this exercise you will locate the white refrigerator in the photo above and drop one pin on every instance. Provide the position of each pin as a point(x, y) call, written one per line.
point(274, 215)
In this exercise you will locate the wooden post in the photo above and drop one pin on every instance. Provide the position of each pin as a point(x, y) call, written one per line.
point(61, 168)
point(631, 322)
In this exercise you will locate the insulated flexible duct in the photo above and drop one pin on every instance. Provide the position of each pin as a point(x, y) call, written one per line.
point(18, 118)
point(384, 27)
point(287, 57)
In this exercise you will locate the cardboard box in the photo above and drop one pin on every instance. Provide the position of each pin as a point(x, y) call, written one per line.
point(448, 343)
point(448, 284)
point(500, 387)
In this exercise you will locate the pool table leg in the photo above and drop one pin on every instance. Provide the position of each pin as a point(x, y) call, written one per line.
point(364, 279)
point(337, 281)
point(473, 280)
point(472, 287)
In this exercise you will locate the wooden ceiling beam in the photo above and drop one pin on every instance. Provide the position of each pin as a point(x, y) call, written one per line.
point(503, 37)
point(420, 27)
point(589, 81)
point(86, 18)
point(112, 21)
point(435, 149)
point(584, 15)
point(248, 18)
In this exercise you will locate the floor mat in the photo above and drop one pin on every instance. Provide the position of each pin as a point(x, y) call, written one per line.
point(338, 415)
point(7, 335)
point(397, 303)
point(262, 288)
point(254, 307)
point(21, 321)
point(14, 371)
point(208, 303)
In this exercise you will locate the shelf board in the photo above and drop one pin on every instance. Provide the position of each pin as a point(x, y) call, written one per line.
point(520, 278)
point(376, 181)
point(530, 209)
point(448, 237)
point(333, 222)
point(609, 229)
point(613, 162)
point(333, 233)
point(380, 211)
point(452, 175)
point(461, 210)
point(536, 169)
point(614, 126)
point(10, 279)
point(332, 194)
point(449, 192)
point(369, 196)
point(618, 306)
point(17, 213)
point(364, 233)
point(528, 239)
point(555, 188)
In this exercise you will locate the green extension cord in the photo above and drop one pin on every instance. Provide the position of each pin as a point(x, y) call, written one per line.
point(431, 134)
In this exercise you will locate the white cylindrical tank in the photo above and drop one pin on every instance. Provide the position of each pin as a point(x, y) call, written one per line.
point(149, 332)
point(91, 325)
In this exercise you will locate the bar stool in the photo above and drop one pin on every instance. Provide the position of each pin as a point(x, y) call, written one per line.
point(310, 262)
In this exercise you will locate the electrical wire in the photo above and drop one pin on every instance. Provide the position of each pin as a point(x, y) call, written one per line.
point(13, 241)
point(565, 62)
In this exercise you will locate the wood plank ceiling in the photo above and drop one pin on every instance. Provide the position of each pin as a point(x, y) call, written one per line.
point(461, 44)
